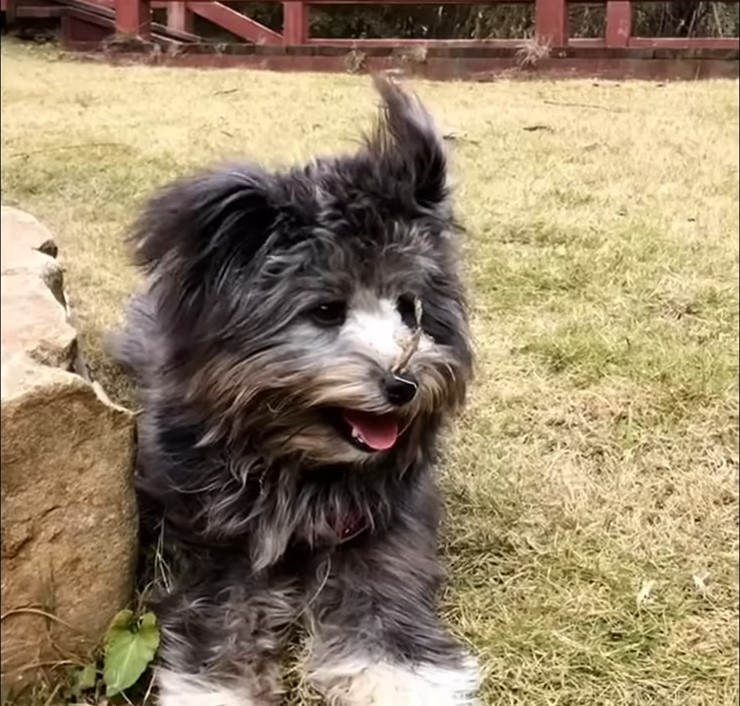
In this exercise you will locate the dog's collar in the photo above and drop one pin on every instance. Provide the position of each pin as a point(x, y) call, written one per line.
point(349, 526)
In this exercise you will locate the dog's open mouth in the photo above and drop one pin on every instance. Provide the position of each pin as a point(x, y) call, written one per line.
point(366, 431)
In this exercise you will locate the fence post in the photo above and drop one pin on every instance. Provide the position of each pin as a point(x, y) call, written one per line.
point(133, 18)
point(180, 17)
point(295, 23)
point(551, 22)
point(618, 23)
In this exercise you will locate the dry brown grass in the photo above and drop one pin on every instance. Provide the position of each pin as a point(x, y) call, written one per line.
point(594, 475)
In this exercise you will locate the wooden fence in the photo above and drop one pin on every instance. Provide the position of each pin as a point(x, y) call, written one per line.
point(133, 18)
point(125, 31)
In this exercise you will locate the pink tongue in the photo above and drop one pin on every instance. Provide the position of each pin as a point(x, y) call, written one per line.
point(378, 431)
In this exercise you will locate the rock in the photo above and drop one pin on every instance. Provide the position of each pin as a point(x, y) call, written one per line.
point(27, 234)
point(29, 248)
point(34, 323)
point(69, 526)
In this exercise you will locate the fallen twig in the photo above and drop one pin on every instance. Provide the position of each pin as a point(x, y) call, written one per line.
point(148, 691)
point(411, 345)
point(39, 612)
point(585, 105)
point(103, 395)
point(455, 137)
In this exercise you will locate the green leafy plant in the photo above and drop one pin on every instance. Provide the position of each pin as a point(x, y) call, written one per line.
point(83, 679)
point(130, 645)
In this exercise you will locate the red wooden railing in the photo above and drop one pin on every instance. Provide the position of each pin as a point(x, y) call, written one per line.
point(133, 18)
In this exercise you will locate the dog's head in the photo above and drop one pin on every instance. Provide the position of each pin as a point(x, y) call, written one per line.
point(317, 312)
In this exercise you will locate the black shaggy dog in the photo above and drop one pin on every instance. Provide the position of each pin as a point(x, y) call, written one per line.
point(300, 342)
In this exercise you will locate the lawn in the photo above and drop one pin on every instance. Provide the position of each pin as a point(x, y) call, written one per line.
point(591, 487)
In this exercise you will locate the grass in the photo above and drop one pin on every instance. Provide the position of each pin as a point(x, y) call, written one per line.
point(592, 529)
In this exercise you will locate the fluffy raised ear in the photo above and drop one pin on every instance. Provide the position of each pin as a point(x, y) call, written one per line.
point(406, 136)
point(193, 222)
point(195, 231)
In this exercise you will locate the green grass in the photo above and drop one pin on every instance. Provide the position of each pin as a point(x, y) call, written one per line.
point(598, 457)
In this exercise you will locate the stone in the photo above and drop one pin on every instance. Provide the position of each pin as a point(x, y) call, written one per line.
point(28, 247)
point(25, 233)
point(69, 524)
point(34, 323)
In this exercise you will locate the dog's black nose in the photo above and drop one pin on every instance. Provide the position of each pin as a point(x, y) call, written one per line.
point(399, 389)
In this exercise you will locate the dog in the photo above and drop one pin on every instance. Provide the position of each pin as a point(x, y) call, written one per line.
point(299, 344)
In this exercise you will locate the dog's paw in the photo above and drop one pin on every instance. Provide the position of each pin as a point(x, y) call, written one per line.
point(176, 689)
point(385, 684)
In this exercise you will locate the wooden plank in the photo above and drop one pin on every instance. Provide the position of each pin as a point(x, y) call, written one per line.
point(476, 68)
point(392, 2)
point(10, 8)
point(235, 22)
point(295, 23)
point(417, 2)
point(380, 3)
point(618, 23)
point(180, 17)
point(685, 42)
point(133, 18)
point(86, 16)
point(400, 44)
point(38, 12)
point(551, 22)
point(579, 42)
point(677, 2)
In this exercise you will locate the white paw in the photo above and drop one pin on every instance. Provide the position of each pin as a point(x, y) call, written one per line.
point(176, 689)
point(358, 683)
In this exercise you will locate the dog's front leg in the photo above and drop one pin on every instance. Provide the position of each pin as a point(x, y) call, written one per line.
point(375, 637)
point(220, 645)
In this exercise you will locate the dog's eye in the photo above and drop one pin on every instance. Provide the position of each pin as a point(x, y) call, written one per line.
point(329, 313)
point(406, 306)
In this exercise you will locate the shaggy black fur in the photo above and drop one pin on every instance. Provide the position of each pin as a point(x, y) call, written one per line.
point(267, 300)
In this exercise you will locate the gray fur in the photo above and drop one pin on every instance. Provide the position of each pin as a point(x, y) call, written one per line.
point(239, 468)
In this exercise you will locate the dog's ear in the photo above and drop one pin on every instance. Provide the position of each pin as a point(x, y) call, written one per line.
point(195, 230)
point(407, 136)
point(194, 222)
